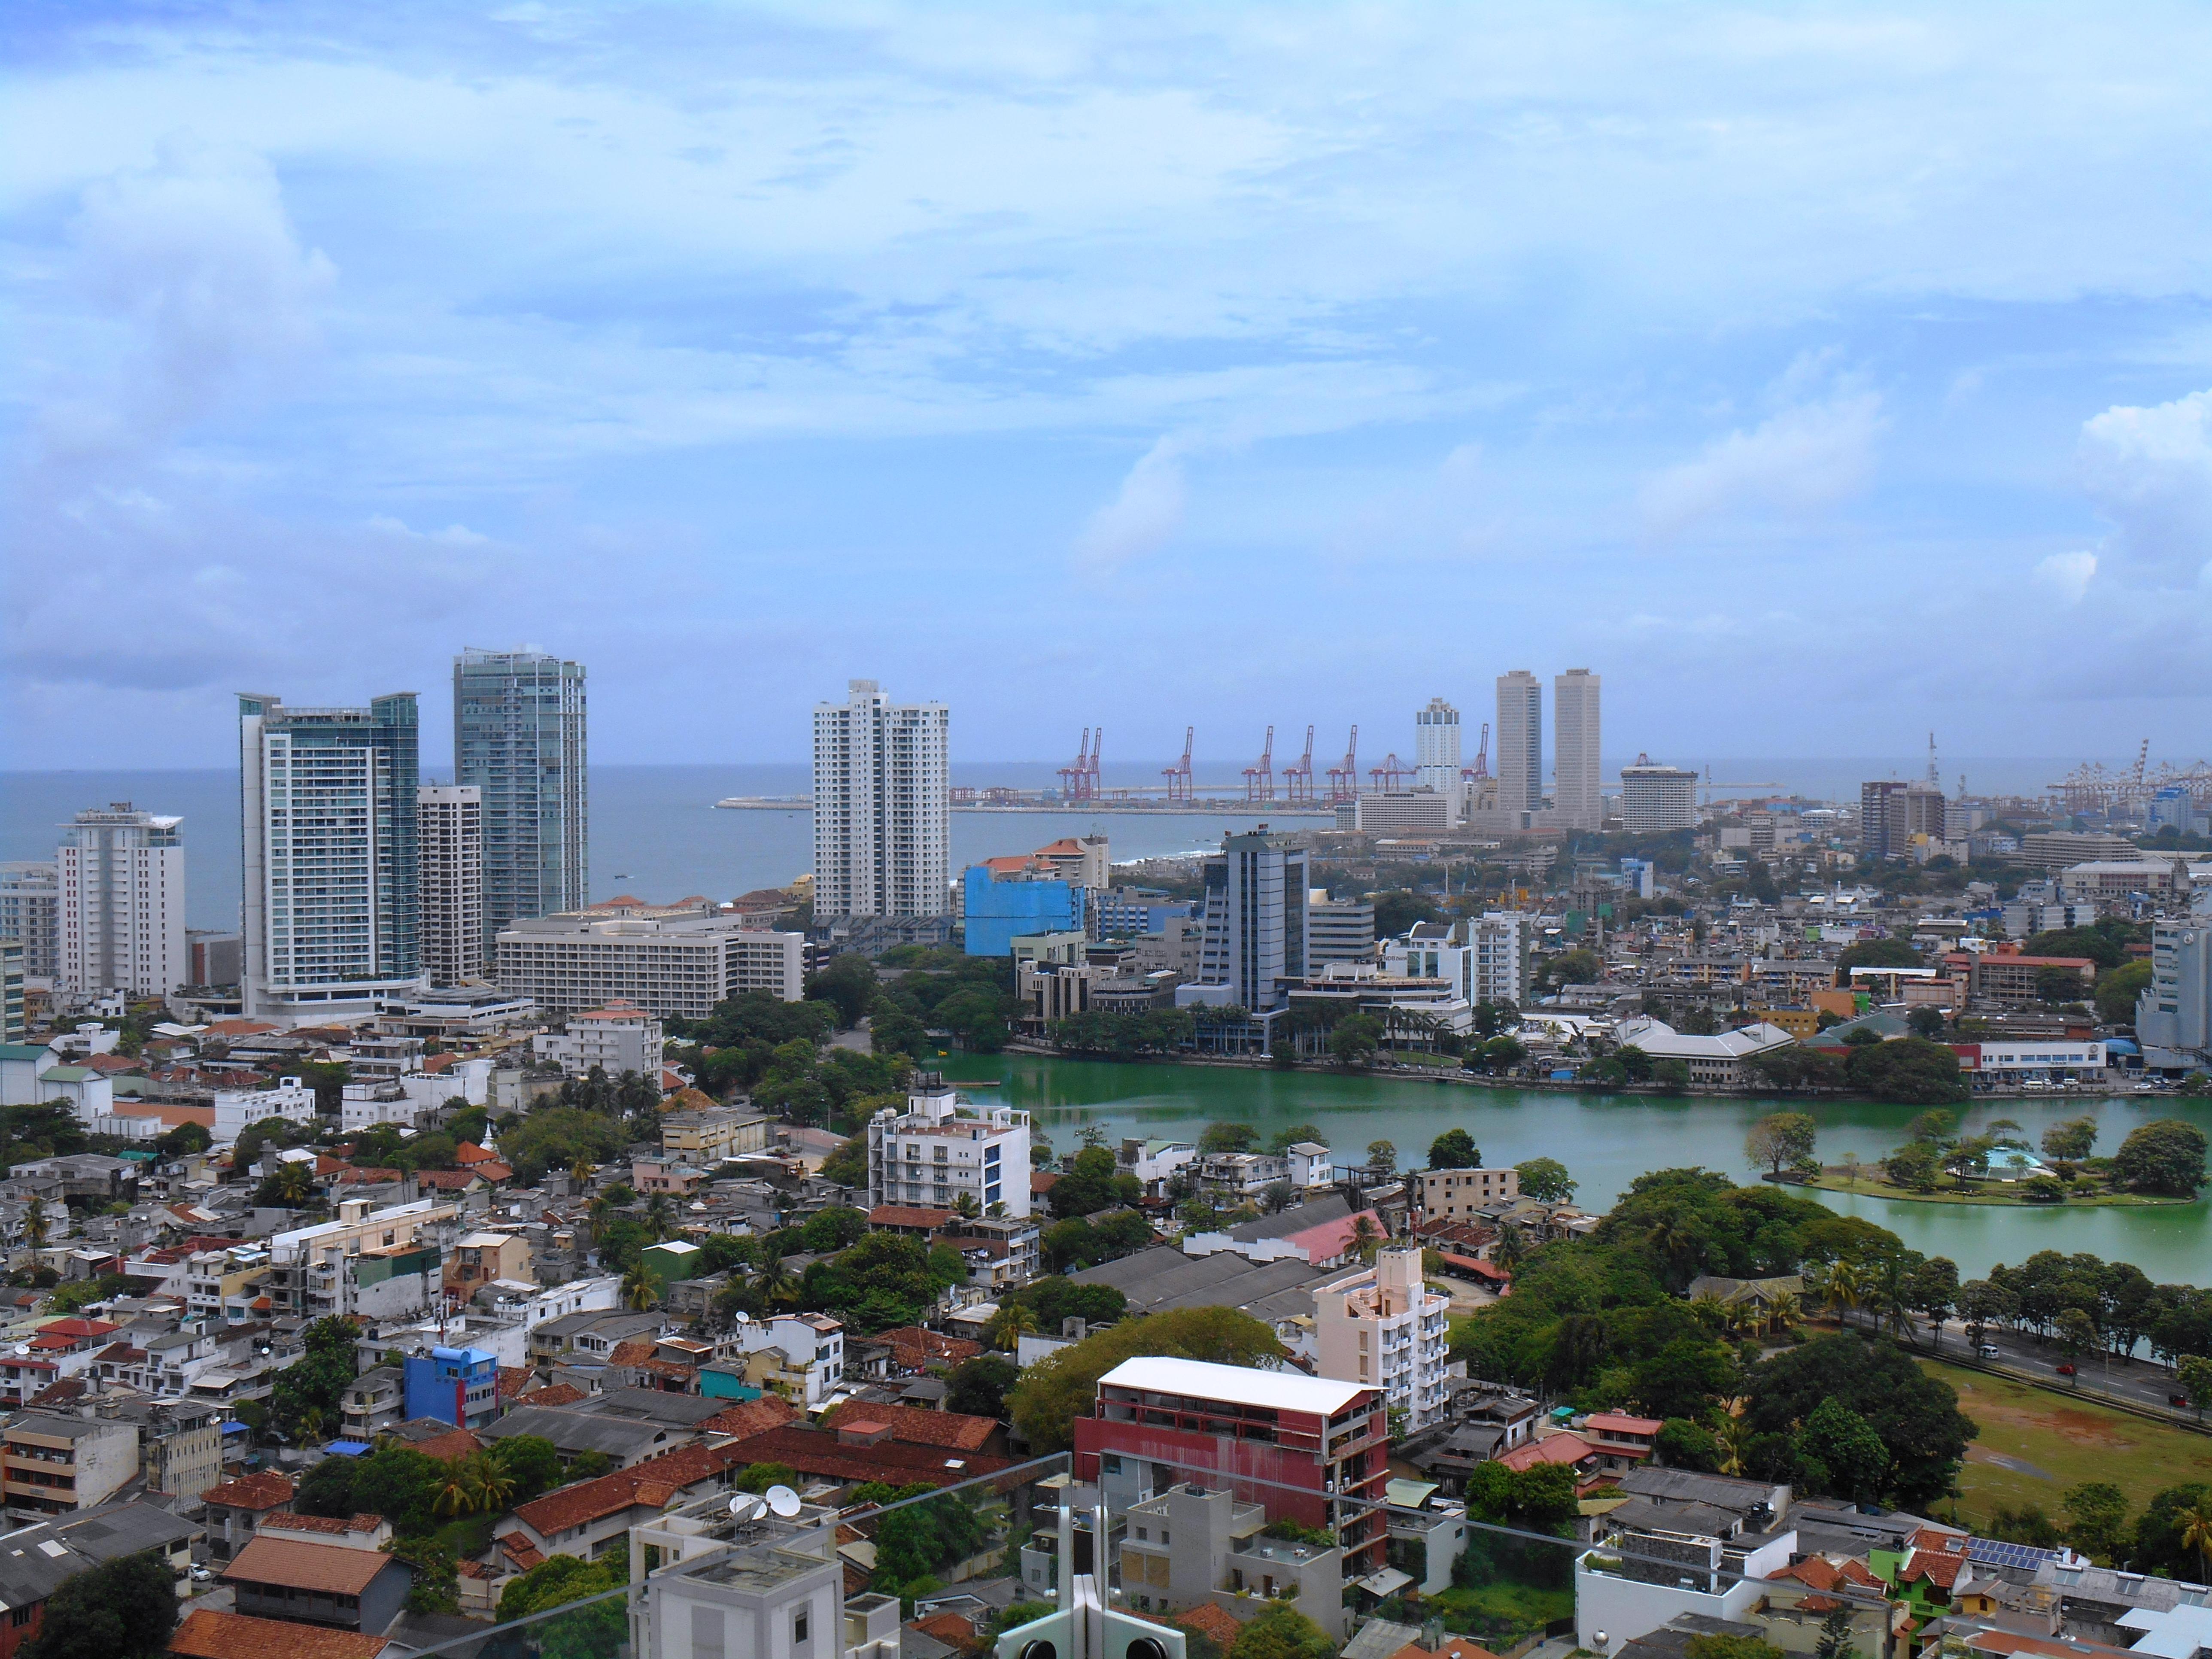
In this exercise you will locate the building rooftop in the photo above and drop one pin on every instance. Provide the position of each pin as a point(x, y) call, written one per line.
point(1291, 1391)
point(207, 1634)
point(328, 1569)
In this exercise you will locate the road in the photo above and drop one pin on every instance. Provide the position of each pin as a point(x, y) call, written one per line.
point(2136, 1383)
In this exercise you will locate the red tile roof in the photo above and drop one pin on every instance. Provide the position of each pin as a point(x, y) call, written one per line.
point(449, 1448)
point(1619, 1423)
point(207, 1634)
point(469, 1153)
point(332, 1569)
point(653, 1484)
point(559, 1394)
point(513, 1380)
point(949, 1429)
point(1210, 1618)
point(1552, 1449)
point(265, 1489)
point(914, 1349)
point(950, 1628)
point(818, 1452)
point(339, 1526)
point(520, 1550)
point(748, 1416)
point(447, 1180)
point(909, 1215)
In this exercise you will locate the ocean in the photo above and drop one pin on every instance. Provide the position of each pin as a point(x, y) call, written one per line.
point(657, 833)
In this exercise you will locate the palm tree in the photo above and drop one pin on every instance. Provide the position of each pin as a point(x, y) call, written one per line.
point(966, 1207)
point(581, 1172)
point(1510, 1247)
point(1013, 1321)
point(660, 1217)
point(292, 1185)
point(1784, 1312)
point(1366, 1236)
point(639, 1291)
point(1730, 1436)
point(489, 1484)
point(2195, 1525)
point(453, 1495)
point(1713, 1312)
point(777, 1285)
point(35, 1225)
point(1847, 1286)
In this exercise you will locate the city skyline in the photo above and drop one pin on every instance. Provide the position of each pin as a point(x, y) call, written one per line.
point(1861, 357)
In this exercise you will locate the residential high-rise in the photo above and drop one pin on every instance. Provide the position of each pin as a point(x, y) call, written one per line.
point(30, 914)
point(518, 738)
point(1892, 813)
point(2174, 1012)
point(1520, 742)
point(883, 806)
point(121, 911)
point(327, 820)
point(1436, 747)
point(449, 881)
point(1255, 916)
point(1381, 1326)
point(1655, 798)
point(1576, 800)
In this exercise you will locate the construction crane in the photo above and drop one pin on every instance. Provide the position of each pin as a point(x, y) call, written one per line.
point(1077, 773)
point(2135, 783)
point(1090, 781)
point(1392, 774)
point(1344, 781)
point(1178, 775)
point(1259, 780)
point(1297, 778)
point(1480, 769)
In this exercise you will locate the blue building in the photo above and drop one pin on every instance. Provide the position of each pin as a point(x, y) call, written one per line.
point(459, 1386)
point(999, 912)
point(1131, 912)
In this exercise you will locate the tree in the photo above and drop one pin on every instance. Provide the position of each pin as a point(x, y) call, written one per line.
point(1546, 1179)
point(1454, 1149)
point(2097, 1519)
point(1910, 1070)
point(978, 1387)
point(1838, 1453)
point(1916, 1416)
point(1671, 1075)
point(1091, 1182)
point(2194, 1373)
point(640, 1289)
point(121, 1609)
point(585, 1632)
point(1916, 1166)
point(1009, 1326)
point(1835, 1639)
point(2058, 986)
point(1876, 953)
point(2077, 1335)
point(1983, 1304)
point(2194, 1524)
point(36, 1227)
point(1779, 1140)
point(2070, 1141)
point(2161, 1527)
point(530, 1463)
point(1061, 1387)
point(849, 985)
point(2119, 990)
point(1926, 1023)
point(1384, 1156)
point(1355, 1039)
point(1224, 1137)
point(1281, 1632)
point(306, 1393)
point(2164, 1157)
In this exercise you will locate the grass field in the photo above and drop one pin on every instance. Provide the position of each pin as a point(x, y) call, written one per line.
point(2034, 1444)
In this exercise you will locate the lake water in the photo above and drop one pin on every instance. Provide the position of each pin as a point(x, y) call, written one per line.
point(1608, 1140)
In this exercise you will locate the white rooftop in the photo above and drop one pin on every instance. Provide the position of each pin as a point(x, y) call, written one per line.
point(1288, 1391)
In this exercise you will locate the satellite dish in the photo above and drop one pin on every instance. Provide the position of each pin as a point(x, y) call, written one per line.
point(783, 1501)
point(743, 1318)
point(22, 1348)
point(747, 1507)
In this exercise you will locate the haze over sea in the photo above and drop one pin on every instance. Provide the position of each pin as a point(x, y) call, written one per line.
point(656, 832)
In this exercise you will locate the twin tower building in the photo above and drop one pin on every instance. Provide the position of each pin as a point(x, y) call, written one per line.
point(1514, 798)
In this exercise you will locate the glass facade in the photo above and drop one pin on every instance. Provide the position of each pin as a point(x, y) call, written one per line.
point(519, 737)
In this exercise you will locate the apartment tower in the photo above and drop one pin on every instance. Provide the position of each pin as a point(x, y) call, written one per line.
point(1436, 747)
point(449, 881)
point(1577, 801)
point(327, 825)
point(519, 739)
point(1520, 742)
point(882, 811)
point(120, 913)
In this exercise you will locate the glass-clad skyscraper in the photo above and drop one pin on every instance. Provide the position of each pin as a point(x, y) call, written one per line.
point(518, 738)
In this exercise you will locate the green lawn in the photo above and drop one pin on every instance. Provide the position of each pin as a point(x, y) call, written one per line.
point(1498, 1614)
point(2050, 1443)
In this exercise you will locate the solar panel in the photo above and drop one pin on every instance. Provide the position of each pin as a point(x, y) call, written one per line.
point(2001, 1552)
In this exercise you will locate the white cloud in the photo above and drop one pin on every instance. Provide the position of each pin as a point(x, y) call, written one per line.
point(2067, 575)
point(1806, 457)
point(2149, 470)
point(1146, 511)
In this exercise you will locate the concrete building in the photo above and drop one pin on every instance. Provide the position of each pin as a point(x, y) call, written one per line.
point(2174, 1014)
point(1892, 812)
point(2054, 850)
point(30, 914)
point(1715, 1062)
point(1520, 742)
point(50, 1464)
point(449, 881)
point(235, 1109)
point(1338, 930)
point(798, 1356)
point(1458, 1195)
point(776, 1592)
point(1576, 800)
point(1436, 747)
point(1381, 1326)
point(616, 1038)
point(459, 1386)
point(327, 806)
point(319, 1582)
point(997, 908)
point(12, 1018)
point(1484, 958)
point(1256, 941)
point(1418, 811)
point(882, 806)
point(381, 1264)
point(667, 965)
point(1196, 1545)
point(212, 956)
point(941, 1146)
point(2112, 882)
point(518, 739)
point(1657, 799)
point(121, 903)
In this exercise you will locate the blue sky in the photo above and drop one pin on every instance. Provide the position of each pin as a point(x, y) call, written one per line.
point(1818, 375)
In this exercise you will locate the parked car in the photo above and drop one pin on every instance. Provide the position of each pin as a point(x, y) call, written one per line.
point(2181, 1400)
point(201, 1575)
point(1989, 1350)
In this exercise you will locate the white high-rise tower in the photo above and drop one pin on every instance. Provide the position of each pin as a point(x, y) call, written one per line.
point(449, 889)
point(1520, 742)
point(121, 917)
point(1436, 747)
point(1577, 801)
point(883, 806)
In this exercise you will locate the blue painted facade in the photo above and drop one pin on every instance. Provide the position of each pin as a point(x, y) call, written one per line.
point(459, 1386)
point(999, 912)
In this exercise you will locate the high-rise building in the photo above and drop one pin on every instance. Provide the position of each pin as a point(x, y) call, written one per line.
point(122, 903)
point(11, 990)
point(30, 914)
point(1436, 747)
point(883, 806)
point(1520, 742)
point(1577, 801)
point(2174, 1012)
point(449, 881)
point(1892, 813)
point(1255, 916)
point(518, 738)
point(1338, 930)
point(327, 818)
point(1656, 799)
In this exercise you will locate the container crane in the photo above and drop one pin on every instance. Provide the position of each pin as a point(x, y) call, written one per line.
point(1297, 778)
point(1344, 781)
point(1259, 780)
point(1480, 770)
point(1178, 775)
point(1391, 775)
point(1077, 773)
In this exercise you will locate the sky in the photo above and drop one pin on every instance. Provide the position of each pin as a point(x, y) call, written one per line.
point(1820, 376)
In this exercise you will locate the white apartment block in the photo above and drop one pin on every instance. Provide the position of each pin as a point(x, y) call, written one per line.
point(379, 1263)
point(1436, 747)
point(1455, 1194)
point(449, 882)
point(1422, 811)
point(235, 1109)
point(1576, 802)
point(1484, 958)
point(617, 1038)
point(1655, 798)
point(120, 905)
point(941, 1146)
point(882, 806)
point(667, 965)
point(30, 912)
point(809, 1349)
point(1383, 1327)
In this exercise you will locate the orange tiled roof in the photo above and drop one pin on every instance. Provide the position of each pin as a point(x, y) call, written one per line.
point(950, 1430)
point(265, 1489)
point(746, 1417)
point(520, 1550)
point(207, 1634)
point(558, 1393)
point(950, 1628)
point(468, 1152)
point(1552, 1449)
point(914, 1349)
point(449, 1448)
point(1210, 1618)
point(331, 1569)
point(447, 1180)
point(336, 1525)
point(651, 1484)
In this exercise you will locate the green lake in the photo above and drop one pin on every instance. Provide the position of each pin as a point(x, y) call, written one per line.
point(1606, 1140)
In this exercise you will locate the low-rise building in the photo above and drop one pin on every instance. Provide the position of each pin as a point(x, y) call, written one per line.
point(236, 1509)
point(1453, 1195)
point(942, 1146)
point(800, 1357)
point(1715, 1061)
point(1195, 1545)
point(317, 1583)
point(54, 1465)
point(617, 1038)
point(671, 966)
point(235, 1109)
point(482, 1258)
point(706, 1138)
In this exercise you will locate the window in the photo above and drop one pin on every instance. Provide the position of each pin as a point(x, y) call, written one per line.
point(799, 1627)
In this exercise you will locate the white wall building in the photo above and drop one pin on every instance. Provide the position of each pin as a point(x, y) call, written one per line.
point(30, 912)
point(1520, 742)
point(812, 1346)
point(1383, 1327)
point(882, 806)
point(449, 852)
point(1485, 959)
point(1436, 747)
point(617, 1038)
point(1715, 1061)
point(235, 1108)
point(120, 912)
point(1629, 1584)
point(2174, 1014)
point(1422, 811)
point(667, 965)
point(942, 1146)
point(1655, 798)
point(1576, 802)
